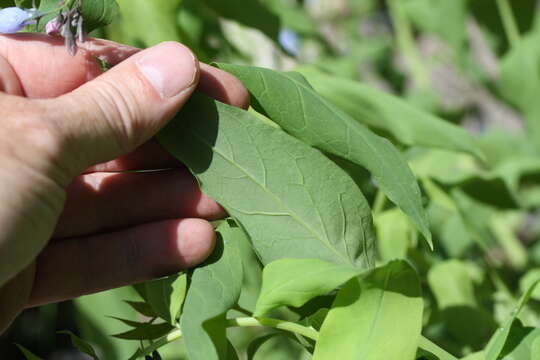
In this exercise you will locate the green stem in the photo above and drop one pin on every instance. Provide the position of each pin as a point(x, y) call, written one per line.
point(275, 323)
point(435, 349)
point(169, 338)
point(239, 322)
point(407, 43)
point(509, 22)
point(379, 203)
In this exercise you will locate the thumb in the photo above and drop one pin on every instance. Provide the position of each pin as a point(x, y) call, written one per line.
point(124, 107)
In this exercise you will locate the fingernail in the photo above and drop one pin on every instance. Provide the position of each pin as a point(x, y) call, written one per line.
point(170, 67)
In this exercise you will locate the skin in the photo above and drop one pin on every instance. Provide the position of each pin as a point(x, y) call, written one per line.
point(73, 221)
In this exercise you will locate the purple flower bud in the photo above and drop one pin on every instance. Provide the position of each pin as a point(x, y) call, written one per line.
point(53, 27)
point(13, 19)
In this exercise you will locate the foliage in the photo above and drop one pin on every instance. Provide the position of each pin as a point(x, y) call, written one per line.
point(378, 129)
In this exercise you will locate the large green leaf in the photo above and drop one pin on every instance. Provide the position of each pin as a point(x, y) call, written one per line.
point(291, 200)
point(293, 282)
point(299, 110)
point(214, 289)
point(406, 123)
point(376, 317)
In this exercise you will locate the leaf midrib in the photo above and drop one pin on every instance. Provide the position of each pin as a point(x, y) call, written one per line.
point(277, 199)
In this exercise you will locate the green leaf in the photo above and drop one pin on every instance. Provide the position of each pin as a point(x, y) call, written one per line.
point(438, 353)
point(293, 282)
point(395, 234)
point(253, 14)
point(451, 284)
point(502, 336)
point(528, 279)
point(214, 289)
point(520, 342)
point(96, 13)
point(406, 123)
point(162, 15)
point(268, 180)
point(376, 317)
point(142, 308)
point(520, 80)
point(145, 331)
point(166, 296)
point(95, 325)
point(27, 353)
point(279, 347)
point(303, 113)
point(80, 344)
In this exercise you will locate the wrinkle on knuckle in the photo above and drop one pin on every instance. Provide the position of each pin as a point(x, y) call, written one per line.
point(119, 109)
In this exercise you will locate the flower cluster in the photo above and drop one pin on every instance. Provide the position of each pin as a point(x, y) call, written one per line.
point(68, 22)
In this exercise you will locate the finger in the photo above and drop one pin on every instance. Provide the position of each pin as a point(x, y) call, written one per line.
point(80, 266)
point(39, 59)
point(215, 83)
point(149, 156)
point(123, 108)
point(103, 201)
point(14, 295)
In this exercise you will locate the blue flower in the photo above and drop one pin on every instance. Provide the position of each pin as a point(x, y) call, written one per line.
point(13, 19)
point(290, 41)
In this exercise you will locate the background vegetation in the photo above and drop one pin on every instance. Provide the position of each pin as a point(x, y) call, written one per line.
point(407, 69)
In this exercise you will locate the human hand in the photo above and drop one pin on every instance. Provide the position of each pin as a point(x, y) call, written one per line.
point(68, 135)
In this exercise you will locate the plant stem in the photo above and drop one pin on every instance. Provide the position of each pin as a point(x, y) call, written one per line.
point(407, 43)
point(433, 348)
point(509, 22)
point(379, 203)
point(239, 322)
point(275, 323)
point(169, 338)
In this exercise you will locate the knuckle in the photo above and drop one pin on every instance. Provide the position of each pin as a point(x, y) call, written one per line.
point(120, 110)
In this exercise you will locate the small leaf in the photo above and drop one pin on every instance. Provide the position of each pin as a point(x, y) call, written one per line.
point(166, 296)
point(80, 344)
point(214, 289)
point(293, 282)
point(27, 353)
point(378, 316)
point(303, 113)
point(142, 308)
point(145, 331)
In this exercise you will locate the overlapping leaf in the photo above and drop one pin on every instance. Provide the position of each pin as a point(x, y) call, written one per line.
point(299, 110)
point(293, 282)
point(214, 289)
point(291, 200)
point(370, 316)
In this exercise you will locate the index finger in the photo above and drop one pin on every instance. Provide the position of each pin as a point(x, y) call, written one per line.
point(44, 68)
